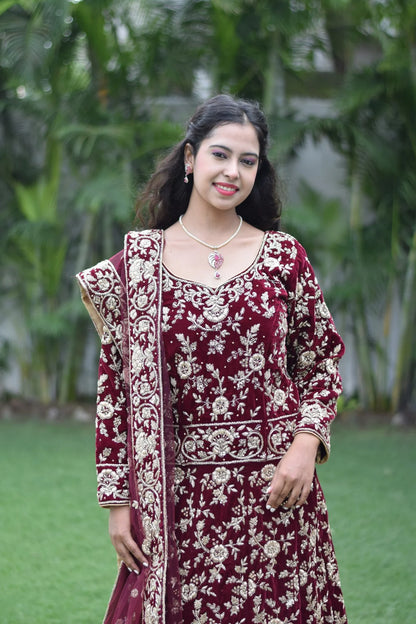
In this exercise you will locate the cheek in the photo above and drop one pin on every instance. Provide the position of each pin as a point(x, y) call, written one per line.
point(203, 169)
point(251, 178)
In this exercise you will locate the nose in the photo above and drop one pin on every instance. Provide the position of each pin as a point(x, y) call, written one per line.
point(231, 169)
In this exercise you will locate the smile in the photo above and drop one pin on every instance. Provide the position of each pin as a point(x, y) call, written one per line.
point(226, 189)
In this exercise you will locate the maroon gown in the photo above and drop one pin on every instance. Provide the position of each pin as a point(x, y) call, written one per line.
point(250, 364)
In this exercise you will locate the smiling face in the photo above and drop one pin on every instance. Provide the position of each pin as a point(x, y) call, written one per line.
point(225, 167)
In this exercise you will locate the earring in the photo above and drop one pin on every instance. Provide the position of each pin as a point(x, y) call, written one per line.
point(188, 169)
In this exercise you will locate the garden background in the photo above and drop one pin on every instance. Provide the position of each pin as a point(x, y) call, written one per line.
point(92, 92)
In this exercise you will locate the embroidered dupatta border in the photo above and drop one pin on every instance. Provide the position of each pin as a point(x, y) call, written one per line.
point(132, 315)
point(143, 262)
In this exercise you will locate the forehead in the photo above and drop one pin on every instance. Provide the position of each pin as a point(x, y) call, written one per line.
point(235, 136)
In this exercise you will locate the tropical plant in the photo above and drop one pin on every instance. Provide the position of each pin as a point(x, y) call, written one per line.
point(73, 141)
point(373, 126)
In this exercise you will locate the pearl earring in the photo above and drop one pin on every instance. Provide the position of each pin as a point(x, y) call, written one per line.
point(188, 169)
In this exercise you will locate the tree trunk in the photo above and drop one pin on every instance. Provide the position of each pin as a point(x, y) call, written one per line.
point(362, 336)
point(404, 373)
point(274, 96)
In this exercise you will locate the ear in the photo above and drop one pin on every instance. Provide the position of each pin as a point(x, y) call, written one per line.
point(188, 155)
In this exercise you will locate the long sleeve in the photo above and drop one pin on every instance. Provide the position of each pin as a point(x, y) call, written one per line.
point(102, 290)
point(313, 351)
point(111, 427)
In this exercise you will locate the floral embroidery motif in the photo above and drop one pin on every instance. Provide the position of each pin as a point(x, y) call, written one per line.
point(267, 472)
point(106, 336)
point(218, 553)
point(221, 475)
point(256, 362)
point(179, 475)
point(145, 445)
point(330, 367)
point(220, 406)
point(184, 369)
point(221, 441)
point(105, 410)
point(306, 359)
point(215, 310)
point(272, 548)
point(189, 592)
point(279, 397)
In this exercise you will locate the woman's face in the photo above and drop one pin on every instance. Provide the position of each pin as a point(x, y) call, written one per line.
point(225, 166)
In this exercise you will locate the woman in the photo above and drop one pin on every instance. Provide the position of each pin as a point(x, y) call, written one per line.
point(217, 384)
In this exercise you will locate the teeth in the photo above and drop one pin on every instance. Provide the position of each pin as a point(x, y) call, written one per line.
point(225, 188)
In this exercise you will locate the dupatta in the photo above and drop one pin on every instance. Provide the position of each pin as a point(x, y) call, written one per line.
point(124, 295)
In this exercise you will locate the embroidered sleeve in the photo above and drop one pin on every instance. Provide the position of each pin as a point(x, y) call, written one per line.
point(314, 348)
point(111, 427)
point(102, 292)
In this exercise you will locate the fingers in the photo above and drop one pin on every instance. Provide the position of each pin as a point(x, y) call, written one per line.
point(120, 534)
point(294, 474)
point(129, 552)
point(287, 494)
point(293, 498)
point(304, 495)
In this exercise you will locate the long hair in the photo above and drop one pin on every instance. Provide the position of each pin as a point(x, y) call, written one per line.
point(166, 197)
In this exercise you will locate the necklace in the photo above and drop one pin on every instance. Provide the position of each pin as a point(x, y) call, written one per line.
point(215, 259)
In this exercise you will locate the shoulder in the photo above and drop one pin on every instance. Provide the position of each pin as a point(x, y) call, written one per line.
point(103, 275)
point(143, 238)
point(114, 268)
point(284, 241)
point(283, 250)
point(286, 262)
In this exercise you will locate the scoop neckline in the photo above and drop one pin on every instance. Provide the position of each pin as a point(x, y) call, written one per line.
point(230, 279)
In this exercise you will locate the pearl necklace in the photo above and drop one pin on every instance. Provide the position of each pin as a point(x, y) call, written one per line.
point(215, 259)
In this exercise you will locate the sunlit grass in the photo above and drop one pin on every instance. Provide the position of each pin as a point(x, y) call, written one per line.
point(369, 484)
point(57, 564)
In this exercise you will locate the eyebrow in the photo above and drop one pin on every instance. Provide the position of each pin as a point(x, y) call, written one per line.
point(227, 149)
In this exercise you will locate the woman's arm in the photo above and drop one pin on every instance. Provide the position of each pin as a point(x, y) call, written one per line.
point(111, 454)
point(313, 350)
point(111, 427)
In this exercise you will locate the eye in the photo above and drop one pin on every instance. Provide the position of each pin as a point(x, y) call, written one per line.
point(219, 155)
point(249, 162)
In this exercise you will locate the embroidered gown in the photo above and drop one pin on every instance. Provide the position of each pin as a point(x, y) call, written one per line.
point(251, 363)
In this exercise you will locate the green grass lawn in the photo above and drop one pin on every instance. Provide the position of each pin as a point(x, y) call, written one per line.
point(369, 483)
point(57, 564)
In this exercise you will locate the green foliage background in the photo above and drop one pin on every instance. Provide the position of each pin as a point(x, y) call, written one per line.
point(92, 92)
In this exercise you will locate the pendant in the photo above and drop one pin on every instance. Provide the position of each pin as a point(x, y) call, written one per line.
point(216, 260)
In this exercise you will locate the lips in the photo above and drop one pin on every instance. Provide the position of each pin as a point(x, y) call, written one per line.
point(226, 189)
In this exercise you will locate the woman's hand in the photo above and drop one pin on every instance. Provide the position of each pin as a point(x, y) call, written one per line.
point(293, 477)
point(120, 534)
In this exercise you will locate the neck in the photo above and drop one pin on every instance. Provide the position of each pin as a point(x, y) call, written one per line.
point(211, 226)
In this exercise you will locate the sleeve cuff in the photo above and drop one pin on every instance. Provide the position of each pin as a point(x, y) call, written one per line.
point(112, 486)
point(314, 419)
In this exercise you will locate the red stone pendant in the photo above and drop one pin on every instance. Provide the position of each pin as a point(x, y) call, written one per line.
point(215, 260)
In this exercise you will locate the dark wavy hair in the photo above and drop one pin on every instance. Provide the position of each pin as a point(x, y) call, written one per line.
point(166, 196)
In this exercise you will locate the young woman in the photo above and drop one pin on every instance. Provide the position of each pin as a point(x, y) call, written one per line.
point(218, 381)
